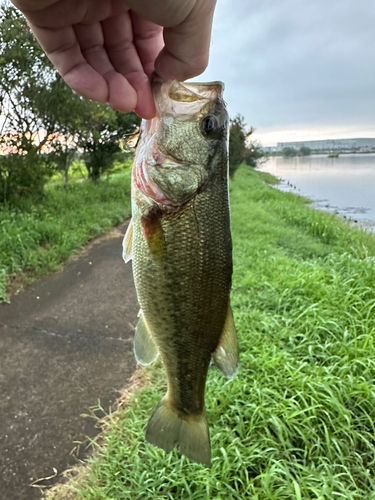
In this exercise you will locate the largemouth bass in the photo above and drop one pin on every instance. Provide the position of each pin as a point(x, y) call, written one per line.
point(180, 243)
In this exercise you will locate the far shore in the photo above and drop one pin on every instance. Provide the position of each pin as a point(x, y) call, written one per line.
point(320, 153)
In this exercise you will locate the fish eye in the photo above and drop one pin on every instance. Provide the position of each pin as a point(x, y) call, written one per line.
point(209, 124)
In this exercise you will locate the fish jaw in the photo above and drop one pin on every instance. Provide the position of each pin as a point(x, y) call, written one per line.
point(146, 155)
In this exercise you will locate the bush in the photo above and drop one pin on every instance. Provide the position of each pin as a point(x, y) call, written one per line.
point(239, 151)
point(22, 176)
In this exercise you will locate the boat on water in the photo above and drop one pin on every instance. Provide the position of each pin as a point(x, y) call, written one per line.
point(333, 155)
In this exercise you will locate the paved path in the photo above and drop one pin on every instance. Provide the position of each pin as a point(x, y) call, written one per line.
point(65, 343)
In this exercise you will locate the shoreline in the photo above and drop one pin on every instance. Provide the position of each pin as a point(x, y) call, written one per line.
point(346, 213)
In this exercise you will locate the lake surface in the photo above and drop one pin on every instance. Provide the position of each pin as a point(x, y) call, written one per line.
point(344, 185)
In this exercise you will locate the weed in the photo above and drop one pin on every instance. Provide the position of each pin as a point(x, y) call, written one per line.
point(38, 238)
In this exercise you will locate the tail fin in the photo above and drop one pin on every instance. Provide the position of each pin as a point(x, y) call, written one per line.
point(166, 429)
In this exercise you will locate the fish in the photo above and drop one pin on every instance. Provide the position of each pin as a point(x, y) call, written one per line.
point(180, 244)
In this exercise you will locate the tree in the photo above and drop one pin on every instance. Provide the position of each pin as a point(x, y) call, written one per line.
point(289, 152)
point(305, 151)
point(61, 158)
point(253, 153)
point(34, 103)
point(240, 149)
point(43, 121)
point(99, 130)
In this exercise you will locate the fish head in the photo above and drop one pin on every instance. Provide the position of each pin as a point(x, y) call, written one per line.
point(185, 146)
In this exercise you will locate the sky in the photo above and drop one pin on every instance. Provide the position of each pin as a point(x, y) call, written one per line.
point(297, 69)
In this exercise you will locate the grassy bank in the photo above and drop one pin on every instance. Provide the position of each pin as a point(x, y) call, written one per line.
point(37, 239)
point(298, 421)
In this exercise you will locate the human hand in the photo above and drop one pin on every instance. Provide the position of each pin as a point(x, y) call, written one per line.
point(106, 50)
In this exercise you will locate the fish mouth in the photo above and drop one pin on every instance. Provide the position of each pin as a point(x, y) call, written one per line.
point(151, 150)
point(162, 160)
point(149, 156)
point(174, 98)
point(147, 186)
point(156, 158)
point(168, 93)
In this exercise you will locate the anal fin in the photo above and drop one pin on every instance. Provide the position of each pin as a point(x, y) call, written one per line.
point(145, 350)
point(226, 356)
point(128, 243)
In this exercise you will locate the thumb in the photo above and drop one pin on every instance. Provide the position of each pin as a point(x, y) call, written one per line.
point(187, 45)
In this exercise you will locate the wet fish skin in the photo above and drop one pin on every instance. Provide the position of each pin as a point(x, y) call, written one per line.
point(182, 257)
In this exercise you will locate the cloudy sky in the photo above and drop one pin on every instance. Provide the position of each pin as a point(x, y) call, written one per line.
point(297, 69)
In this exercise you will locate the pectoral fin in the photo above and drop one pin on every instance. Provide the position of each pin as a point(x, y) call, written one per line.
point(226, 356)
point(145, 350)
point(128, 243)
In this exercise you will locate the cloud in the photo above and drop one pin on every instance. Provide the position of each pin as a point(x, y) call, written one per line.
point(293, 63)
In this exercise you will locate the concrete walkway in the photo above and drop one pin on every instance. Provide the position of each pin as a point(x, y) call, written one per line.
point(65, 343)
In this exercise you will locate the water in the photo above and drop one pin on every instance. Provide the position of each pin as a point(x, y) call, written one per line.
point(343, 185)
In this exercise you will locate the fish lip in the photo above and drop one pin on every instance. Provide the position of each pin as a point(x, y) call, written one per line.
point(170, 162)
point(152, 191)
point(163, 160)
point(149, 188)
point(154, 158)
point(202, 90)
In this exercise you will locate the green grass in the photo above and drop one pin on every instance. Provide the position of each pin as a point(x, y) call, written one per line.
point(299, 420)
point(37, 239)
point(77, 171)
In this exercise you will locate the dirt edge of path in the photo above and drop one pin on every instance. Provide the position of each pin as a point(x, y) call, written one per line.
point(66, 488)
